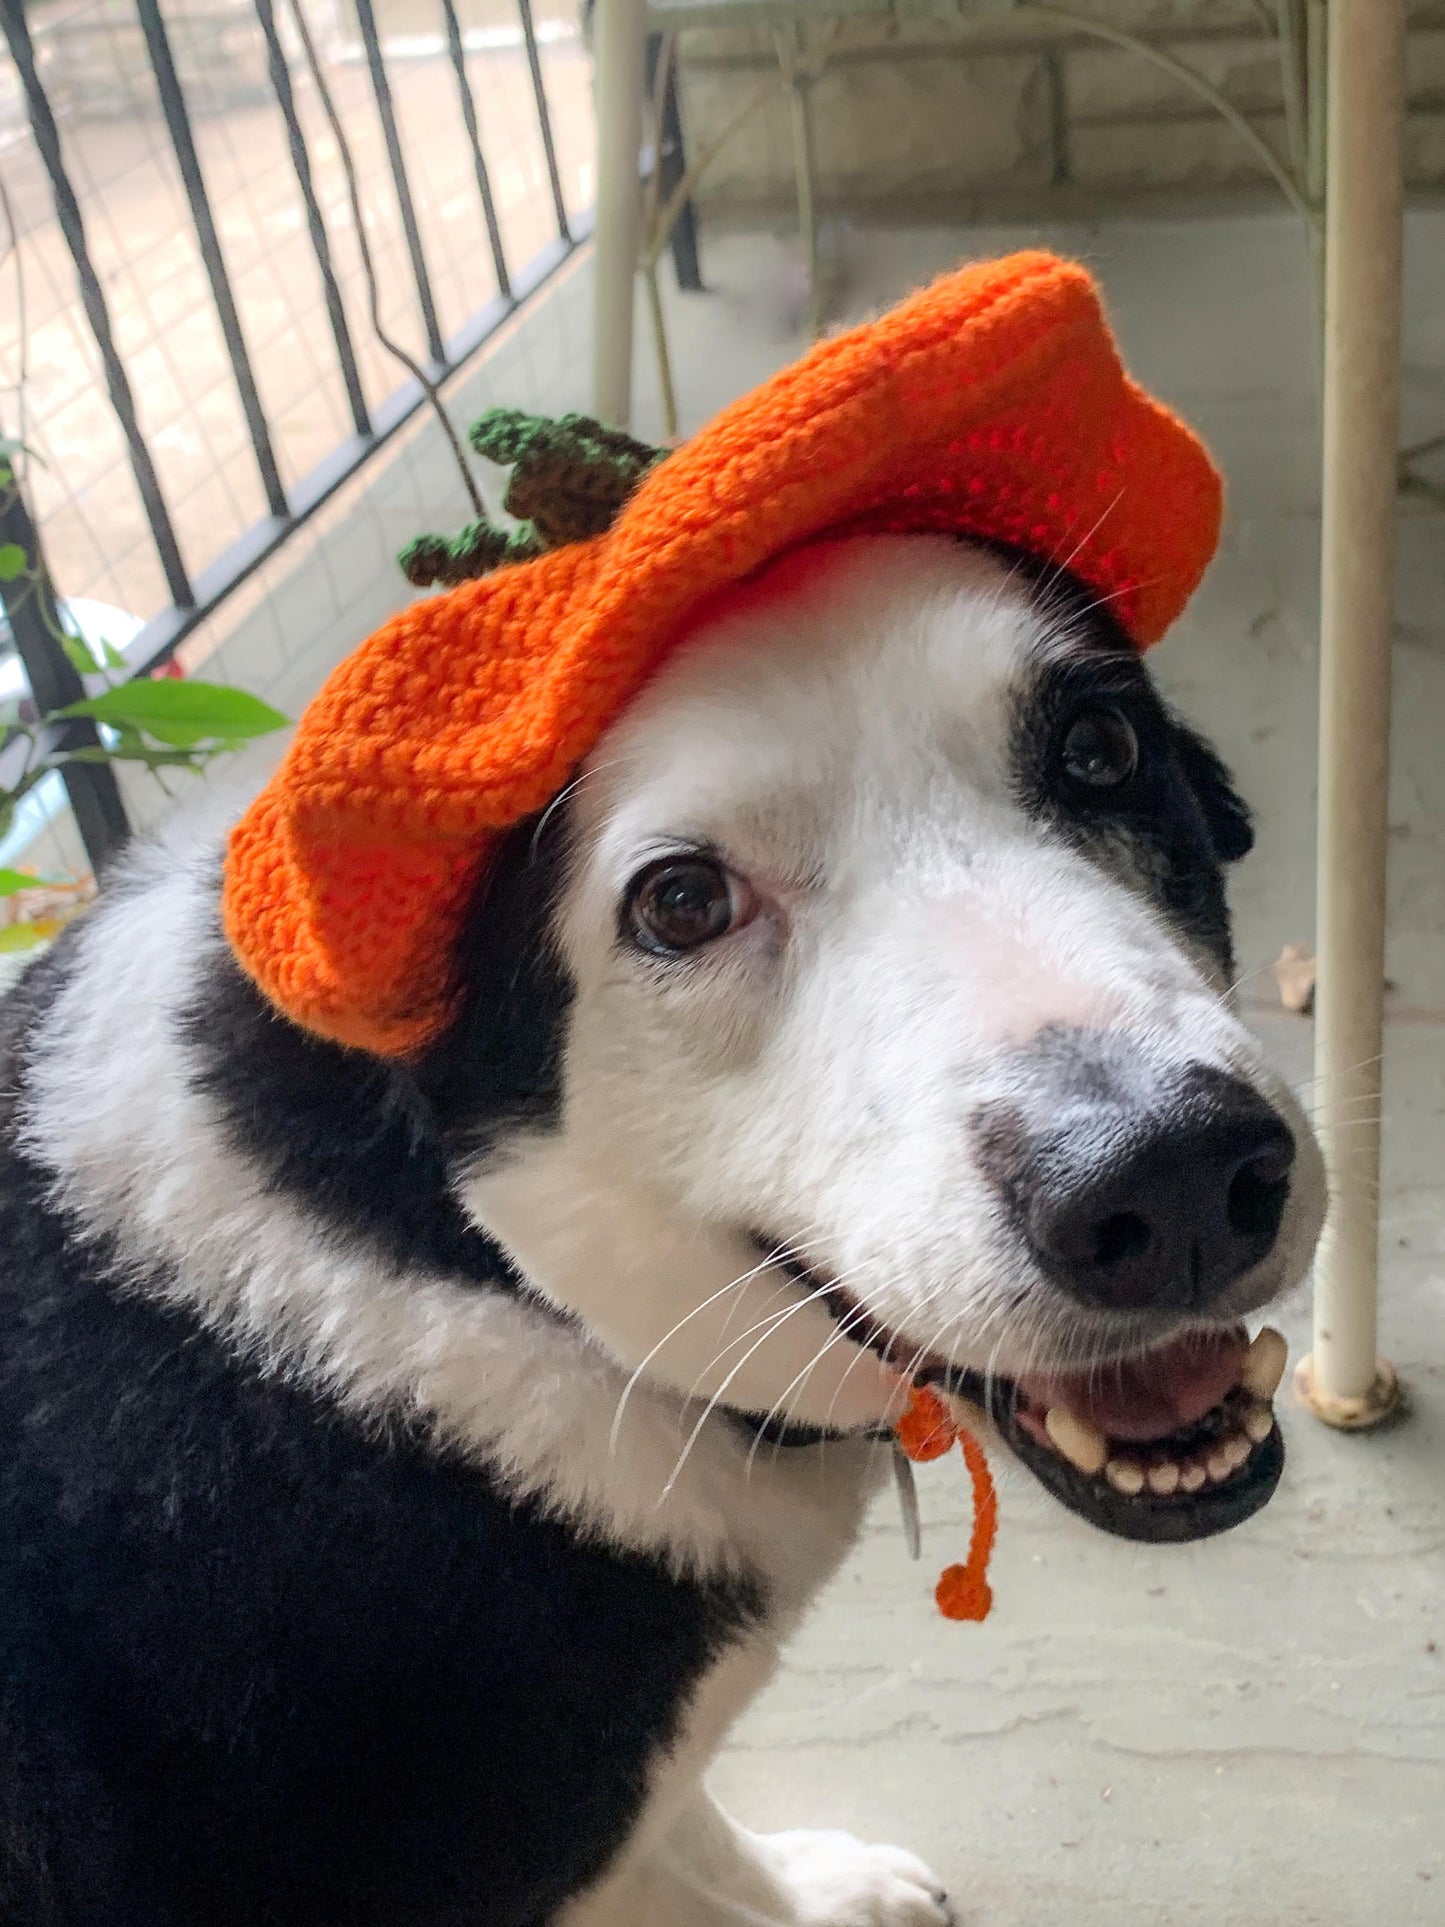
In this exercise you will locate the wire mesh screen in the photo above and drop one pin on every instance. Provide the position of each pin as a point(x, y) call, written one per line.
point(281, 632)
point(194, 349)
point(118, 148)
point(339, 578)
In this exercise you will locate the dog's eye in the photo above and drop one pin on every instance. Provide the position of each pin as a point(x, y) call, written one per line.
point(1100, 748)
point(684, 902)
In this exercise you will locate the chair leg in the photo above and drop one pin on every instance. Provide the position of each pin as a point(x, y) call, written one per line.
point(1343, 1381)
point(619, 39)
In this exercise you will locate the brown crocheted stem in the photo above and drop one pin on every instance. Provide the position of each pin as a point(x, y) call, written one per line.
point(570, 479)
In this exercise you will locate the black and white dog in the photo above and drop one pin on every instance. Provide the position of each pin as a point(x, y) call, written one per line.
point(407, 1473)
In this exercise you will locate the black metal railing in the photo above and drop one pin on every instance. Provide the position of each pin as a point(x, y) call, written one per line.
point(194, 597)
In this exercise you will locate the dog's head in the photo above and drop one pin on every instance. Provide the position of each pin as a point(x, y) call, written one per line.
point(863, 1010)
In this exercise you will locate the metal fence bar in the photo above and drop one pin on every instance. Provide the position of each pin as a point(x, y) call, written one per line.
point(72, 226)
point(381, 87)
point(469, 114)
point(544, 116)
point(178, 123)
point(35, 625)
point(315, 222)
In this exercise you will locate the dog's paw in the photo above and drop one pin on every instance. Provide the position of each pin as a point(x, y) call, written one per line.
point(834, 1880)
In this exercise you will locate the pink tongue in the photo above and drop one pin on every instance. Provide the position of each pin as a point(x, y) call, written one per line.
point(1145, 1398)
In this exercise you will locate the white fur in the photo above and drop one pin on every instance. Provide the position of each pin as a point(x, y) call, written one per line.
point(707, 1871)
point(841, 735)
point(688, 1865)
point(138, 1153)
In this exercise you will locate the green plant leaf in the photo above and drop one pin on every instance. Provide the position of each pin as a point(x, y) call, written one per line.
point(113, 658)
point(183, 713)
point(19, 936)
point(13, 561)
point(12, 882)
point(79, 656)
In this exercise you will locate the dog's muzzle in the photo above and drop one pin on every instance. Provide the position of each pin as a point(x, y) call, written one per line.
point(1174, 1443)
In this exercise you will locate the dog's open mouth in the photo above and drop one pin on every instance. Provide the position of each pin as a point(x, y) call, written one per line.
point(1172, 1444)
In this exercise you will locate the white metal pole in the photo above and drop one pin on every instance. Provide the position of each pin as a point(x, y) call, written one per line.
point(1343, 1381)
point(618, 37)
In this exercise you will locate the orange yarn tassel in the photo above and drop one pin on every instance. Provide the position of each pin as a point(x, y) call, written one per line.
point(926, 1431)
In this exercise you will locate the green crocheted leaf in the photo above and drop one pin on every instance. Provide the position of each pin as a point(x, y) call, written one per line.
point(512, 438)
point(480, 548)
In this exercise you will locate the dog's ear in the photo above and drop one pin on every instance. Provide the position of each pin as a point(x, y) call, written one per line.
point(499, 1063)
point(1225, 812)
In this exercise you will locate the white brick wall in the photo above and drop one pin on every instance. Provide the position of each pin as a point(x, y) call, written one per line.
point(909, 117)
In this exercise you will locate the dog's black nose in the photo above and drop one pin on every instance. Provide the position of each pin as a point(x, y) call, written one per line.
point(1157, 1199)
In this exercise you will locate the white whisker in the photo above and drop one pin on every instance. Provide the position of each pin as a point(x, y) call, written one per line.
point(733, 1284)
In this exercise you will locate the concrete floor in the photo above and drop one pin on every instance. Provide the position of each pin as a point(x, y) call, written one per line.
point(1252, 1730)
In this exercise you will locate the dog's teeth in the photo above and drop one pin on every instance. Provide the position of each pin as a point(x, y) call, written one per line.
point(1126, 1476)
point(1164, 1479)
point(1264, 1363)
point(1076, 1440)
point(1219, 1465)
point(1259, 1423)
point(1192, 1476)
point(1235, 1447)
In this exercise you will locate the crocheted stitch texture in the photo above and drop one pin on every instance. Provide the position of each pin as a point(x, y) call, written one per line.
point(993, 404)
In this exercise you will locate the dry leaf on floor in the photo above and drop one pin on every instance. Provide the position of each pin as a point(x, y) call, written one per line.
point(1294, 972)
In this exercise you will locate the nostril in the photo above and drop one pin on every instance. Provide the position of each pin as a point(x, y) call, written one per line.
point(1131, 1191)
point(1119, 1238)
point(1258, 1192)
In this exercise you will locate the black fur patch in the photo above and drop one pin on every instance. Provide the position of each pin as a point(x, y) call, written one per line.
point(1231, 826)
point(259, 1668)
point(499, 1067)
point(366, 1142)
point(1177, 820)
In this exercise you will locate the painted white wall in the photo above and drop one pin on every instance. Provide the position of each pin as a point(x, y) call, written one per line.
point(913, 115)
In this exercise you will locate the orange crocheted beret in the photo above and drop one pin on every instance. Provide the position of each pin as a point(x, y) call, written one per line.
point(993, 404)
